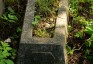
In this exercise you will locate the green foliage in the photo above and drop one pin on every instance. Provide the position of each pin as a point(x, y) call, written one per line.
point(44, 10)
point(6, 52)
point(70, 28)
point(69, 50)
point(81, 12)
point(81, 20)
point(79, 35)
point(85, 0)
point(18, 29)
point(89, 30)
point(74, 5)
point(36, 20)
point(88, 43)
point(91, 38)
point(45, 7)
point(9, 16)
point(41, 33)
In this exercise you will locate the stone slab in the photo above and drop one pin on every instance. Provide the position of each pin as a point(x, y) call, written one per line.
point(53, 51)
point(43, 47)
point(1, 7)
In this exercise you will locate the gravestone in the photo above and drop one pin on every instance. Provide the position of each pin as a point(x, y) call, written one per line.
point(35, 50)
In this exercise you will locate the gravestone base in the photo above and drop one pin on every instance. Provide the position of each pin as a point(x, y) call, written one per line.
point(41, 54)
point(43, 50)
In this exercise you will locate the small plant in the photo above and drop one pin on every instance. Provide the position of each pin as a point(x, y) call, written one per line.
point(74, 8)
point(36, 20)
point(69, 50)
point(79, 34)
point(18, 29)
point(9, 16)
point(6, 53)
point(41, 33)
point(70, 28)
point(89, 31)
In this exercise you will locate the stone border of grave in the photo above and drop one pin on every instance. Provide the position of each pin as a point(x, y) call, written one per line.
point(60, 35)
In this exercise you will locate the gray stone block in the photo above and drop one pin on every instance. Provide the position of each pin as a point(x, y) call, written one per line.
point(34, 50)
point(1, 7)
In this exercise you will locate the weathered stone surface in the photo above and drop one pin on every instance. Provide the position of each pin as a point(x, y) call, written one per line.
point(34, 50)
point(1, 7)
point(53, 51)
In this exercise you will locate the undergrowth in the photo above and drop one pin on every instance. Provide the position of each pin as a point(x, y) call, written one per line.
point(80, 29)
point(7, 54)
point(10, 30)
point(45, 16)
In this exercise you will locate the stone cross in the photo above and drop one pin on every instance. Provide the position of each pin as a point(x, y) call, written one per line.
point(35, 50)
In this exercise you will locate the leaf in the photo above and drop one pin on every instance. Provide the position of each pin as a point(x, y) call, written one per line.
point(34, 23)
point(69, 50)
point(13, 53)
point(9, 61)
point(37, 17)
point(18, 29)
point(12, 17)
point(4, 17)
point(91, 38)
point(8, 48)
point(88, 43)
point(2, 62)
point(6, 54)
point(1, 48)
point(89, 30)
point(1, 56)
point(79, 35)
point(4, 44)
point(91, 7)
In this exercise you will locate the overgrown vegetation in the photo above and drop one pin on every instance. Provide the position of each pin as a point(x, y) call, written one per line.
point(7, 54)
point(10, 16)
point(80, 40)
point(10, 30)
point(45, 17)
